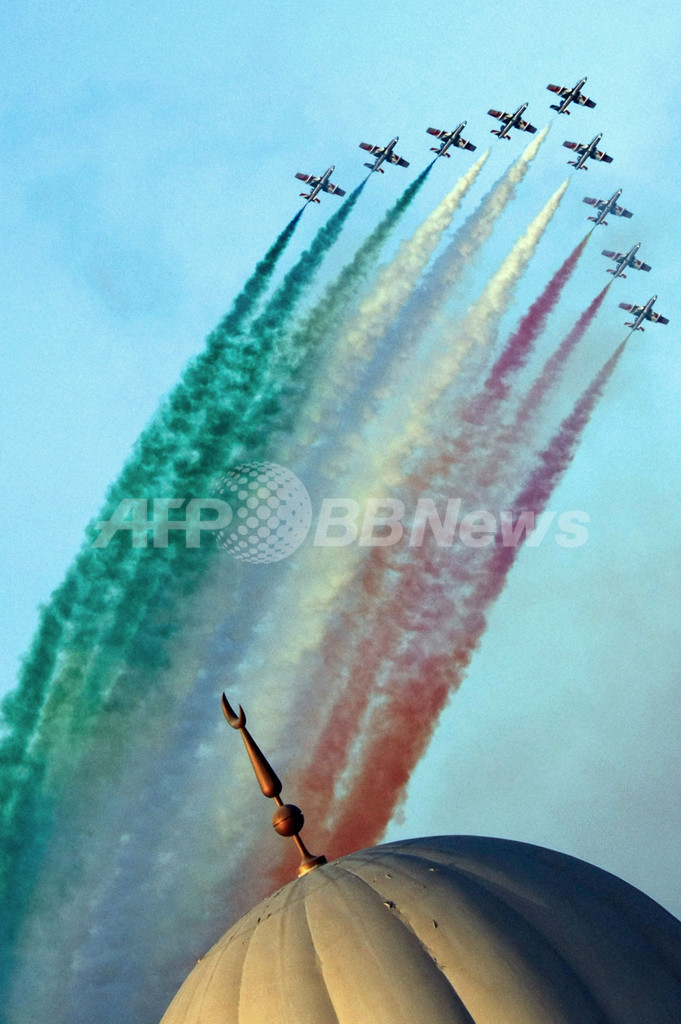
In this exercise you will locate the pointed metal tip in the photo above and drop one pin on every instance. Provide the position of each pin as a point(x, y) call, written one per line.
point(236, 721)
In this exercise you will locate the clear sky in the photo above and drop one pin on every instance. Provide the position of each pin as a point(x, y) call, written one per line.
point(149, 153)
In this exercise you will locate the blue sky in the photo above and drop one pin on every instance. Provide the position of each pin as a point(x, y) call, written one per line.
point(149, 161)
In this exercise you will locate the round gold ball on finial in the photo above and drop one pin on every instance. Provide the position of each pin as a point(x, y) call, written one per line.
point(288, 820)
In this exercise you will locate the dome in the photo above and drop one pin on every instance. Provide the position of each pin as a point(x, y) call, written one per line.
point(446, 930)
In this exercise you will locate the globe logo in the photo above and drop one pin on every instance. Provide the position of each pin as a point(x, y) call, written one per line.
point(271, 512)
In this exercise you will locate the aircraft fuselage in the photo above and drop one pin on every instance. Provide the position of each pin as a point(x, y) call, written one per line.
point(609, 207)
point(571, 97)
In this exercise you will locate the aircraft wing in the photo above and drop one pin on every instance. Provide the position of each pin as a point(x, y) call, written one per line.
point(657, 318)
point(500, 115)
point(332, 189)
point(374, 150)
point(621, 212)
point(598, 154)
point(636, 310)
point(585, 101)
point(640, 265)
point(525, 126)
point(562, 90)
point(613, 255)
point(600, 203)
point(466, 145)
point(580, 147)
point(439, 133)
point(310, 179)
point(395, 159)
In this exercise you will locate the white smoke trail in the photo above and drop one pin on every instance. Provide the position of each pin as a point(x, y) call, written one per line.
point(356, 340)
point(293, 630)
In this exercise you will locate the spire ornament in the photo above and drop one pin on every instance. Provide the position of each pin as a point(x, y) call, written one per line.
point(288, 819)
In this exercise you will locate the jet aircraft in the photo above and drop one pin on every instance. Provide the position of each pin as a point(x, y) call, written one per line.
point(448, 139)
point(588, 151)
point(624, 260)
point(642, 313)
point(511, 121)
point(319, 184)
point(606, 206)
point(569, 96)
point(383, 153)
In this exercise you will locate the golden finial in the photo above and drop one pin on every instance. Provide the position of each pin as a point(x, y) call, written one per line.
point(288, 819)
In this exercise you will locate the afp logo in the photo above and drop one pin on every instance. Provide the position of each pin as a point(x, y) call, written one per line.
point(263, 514)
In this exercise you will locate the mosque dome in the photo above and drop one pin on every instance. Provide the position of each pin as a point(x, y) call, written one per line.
point(445, 930)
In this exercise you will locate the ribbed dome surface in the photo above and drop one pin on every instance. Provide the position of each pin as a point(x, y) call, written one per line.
point(446, 930)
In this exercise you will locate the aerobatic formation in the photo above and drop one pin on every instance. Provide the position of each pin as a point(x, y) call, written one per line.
point(584, 150)
point(124, 851)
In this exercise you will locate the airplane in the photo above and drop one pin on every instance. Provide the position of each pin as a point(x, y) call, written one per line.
point(320, 184)
point(383, 153)
point(587, 150)
point(606, 206)
point(572, 95)
point(450, 139)
point(643, 313)
point(511, 121)
point(625, 260)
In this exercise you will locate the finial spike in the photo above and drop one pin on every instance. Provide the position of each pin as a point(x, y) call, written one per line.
point(288, 820)
point(236, 721)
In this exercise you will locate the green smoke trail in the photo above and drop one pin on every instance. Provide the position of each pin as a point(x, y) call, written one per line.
point(69, 624)
point(147, 620)
point(324, 321)
point(136, 584)
point(236, 408)
point(21, 707)
point(129, 646)
point(137, 634)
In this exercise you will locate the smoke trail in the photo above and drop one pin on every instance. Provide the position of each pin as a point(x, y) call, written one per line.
point(174, 576)
point(219, 421)
point(272, 322)
point(356, 686)
point(339, 295)
point(63, 717)
point(315, 596)
point(69, 623)
point(478, 431)
point(478, 330)
point(383, 631)
point(518, 348)
point(20, 709)
point(555, 365)
point(323, 323)
point(334, 303)
point(510, 440)
point(396, 282)
point(349, 359)
point(402, 720)
point(311, 602)
point(450, 266)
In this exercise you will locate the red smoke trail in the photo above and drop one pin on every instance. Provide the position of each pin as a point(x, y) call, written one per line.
point(400, 597)
point(516, 434)
point(519, 346)
point(556, 363)
point(404, 716)
point(382, 637)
